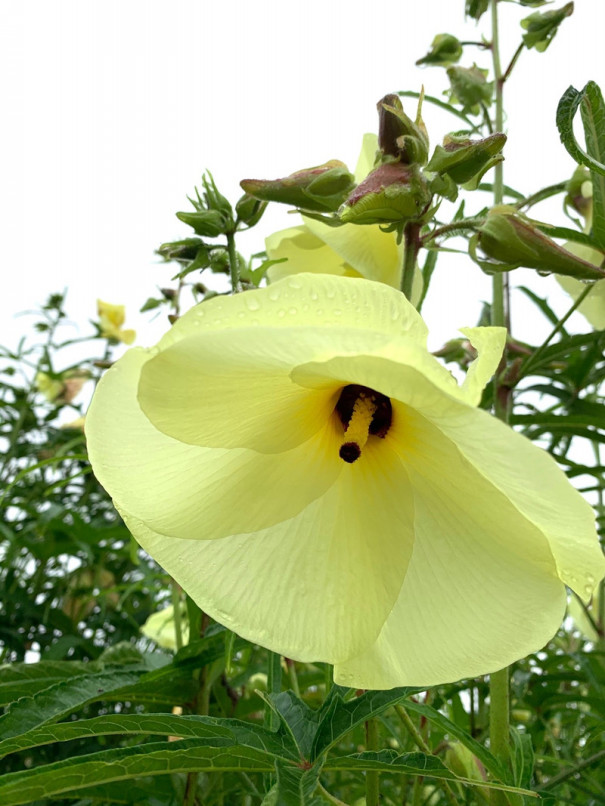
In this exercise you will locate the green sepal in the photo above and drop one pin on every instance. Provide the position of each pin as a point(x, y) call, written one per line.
point(445, 50)
point(541, 26)
point(444, 186)
point(321, 189)
point(470, 88)
point(392, 193)
point(208, 223)
point(510, 240)
point(476, 8)
point(463, 159)
point(399, 136)
point(250, 210)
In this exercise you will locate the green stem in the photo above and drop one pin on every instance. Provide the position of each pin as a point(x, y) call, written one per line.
point(372, 783)
point(233, 264)
point(411, 247)
point(176, 607)
point(499, 726)
point(202, 707)
point(273, 687)
point(329, 797)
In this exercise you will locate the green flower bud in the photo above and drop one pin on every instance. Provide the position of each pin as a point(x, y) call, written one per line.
point(476, 8)
point(462, 159)
point(392, 193)
point(542, 26)
point(445, 50)
point(184, 250)
point(461, 760)
point(469, 87)
point(250, 210)
point(579, 193)
point(398, 135)
point(208, 223)
point(320, 189)
point(511, 240)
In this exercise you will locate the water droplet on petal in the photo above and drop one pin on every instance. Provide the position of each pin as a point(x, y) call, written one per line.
point(274, 294)
point(293, 283)
point(281, 313)
point(252, 302)
point(589, 579)
point(292, 311)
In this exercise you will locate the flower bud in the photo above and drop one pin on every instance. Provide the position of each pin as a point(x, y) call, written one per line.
point(464, 763)
point(392, 193)
point(445, 50)
point(463, 159)
point(398, 135)
point(476, 8)
point(320, 189)
point(250, 210)
point(579, 193)
point(208, 223)
point(541, 26)
point(512, 241)
point(469, 87)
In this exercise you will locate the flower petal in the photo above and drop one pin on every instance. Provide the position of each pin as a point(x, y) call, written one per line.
point(367, 157)
point(367, 249)
point(316, 587)
point(482, 588)
point(181, 489)
point(304, 252)
point(192, 388)
point(489, 343)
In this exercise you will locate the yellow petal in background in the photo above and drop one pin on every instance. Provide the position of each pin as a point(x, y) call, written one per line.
point(593, 306)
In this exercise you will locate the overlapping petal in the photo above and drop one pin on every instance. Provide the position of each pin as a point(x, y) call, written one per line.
point(316, 587)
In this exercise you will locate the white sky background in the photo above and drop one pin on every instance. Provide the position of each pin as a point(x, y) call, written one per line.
point(114, 108)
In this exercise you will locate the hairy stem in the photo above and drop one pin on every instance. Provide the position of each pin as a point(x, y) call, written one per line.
point(412, 244)
point(372, 784)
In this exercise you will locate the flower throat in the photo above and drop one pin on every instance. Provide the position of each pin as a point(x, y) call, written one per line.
point(362, 412)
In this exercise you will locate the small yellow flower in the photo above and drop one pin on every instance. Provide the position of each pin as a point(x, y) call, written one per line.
point(350, 250)
point(319, 483)
point(111, 319)
point(51, 388)
point(64, 387)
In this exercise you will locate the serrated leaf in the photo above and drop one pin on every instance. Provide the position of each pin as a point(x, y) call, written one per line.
point(121, 764)
point(216, 731)
point(299, 721)
point(295, 786)
point(566, 110)
point(339, 717)
point(592, 109)
point(411, 764)
point(63, 698)
point(453, 730)
point(25, 679)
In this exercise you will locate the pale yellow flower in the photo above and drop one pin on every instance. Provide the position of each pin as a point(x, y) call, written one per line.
point(160, 627)
point(319, 483)
point(111, 319)
point(593, 305)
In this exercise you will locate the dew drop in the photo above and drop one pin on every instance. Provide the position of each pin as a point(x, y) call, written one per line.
point(330, 293)
point(589, 579)
point(281, 313)
point(252, 302)
point(241, 314)
point(588, 589)
point(314, 295)
point(293, 283)
point(292, 311)
point(274, 294)
point(319, 311)
point(337, 312)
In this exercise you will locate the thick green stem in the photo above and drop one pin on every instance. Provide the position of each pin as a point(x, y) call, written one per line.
point(176, 609)
point(233, 264)
point(274, 674)
point(412, 244)
point(372, 783)
point(499, 726)
point(202, 707)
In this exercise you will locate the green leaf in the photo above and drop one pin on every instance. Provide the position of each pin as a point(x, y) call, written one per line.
point(121, 764)
point(61, 699)
point(339, 717)
point(25, 679)
point(214, 731)
point(297, 719)
point(411, 764)
point(593, 118)
point(522, 758)
point(453, 730)
point(295, 786)
point(557, 420)
point(566, 110)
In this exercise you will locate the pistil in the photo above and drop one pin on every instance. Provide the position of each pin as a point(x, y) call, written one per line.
point(357, 430)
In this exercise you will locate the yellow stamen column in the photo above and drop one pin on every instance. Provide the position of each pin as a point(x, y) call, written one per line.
point(358, 430)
